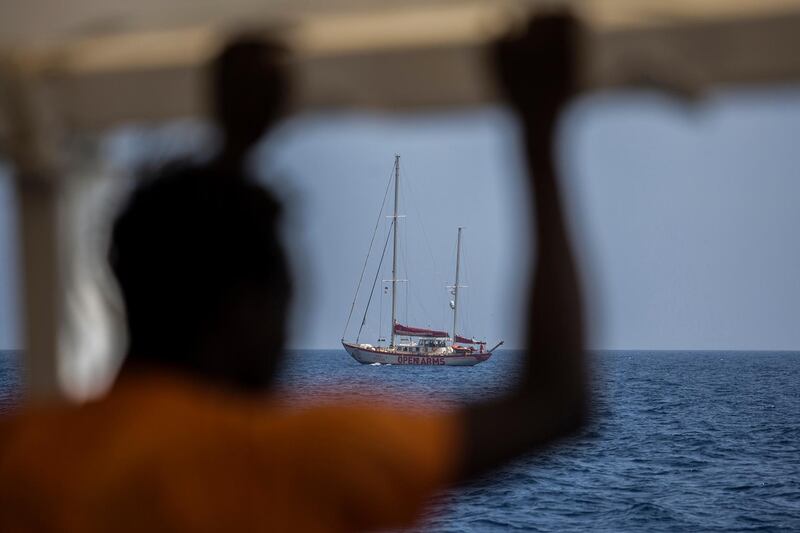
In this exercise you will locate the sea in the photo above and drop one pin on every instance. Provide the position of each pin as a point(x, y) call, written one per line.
point(678, 441)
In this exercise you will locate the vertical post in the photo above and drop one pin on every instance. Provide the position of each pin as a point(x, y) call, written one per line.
point(38, 227)
point(394, 244)
point(455, 293)
point(32, 142)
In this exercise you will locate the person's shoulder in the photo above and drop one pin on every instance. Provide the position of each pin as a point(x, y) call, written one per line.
point(43, 431)
point(382, 459)
point(378, 426)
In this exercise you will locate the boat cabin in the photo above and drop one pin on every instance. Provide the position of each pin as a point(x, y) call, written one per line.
point(422, 346)
point(432, 343)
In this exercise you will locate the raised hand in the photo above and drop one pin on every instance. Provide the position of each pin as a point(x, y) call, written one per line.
point(537, 68)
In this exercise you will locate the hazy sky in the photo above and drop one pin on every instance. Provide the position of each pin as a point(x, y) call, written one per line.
point(686, 219)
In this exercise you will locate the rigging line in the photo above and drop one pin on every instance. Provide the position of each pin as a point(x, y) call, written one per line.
point(407, 284)
point(369, 251)
point(467, 320)
point(473, 295)
point(450, 293)
point(444, 308)
point(366, 310)
point(407, 182)
point(427, 316)
point(420, 220)
point(408, 275)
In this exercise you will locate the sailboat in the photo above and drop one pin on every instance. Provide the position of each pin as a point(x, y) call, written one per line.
point(411, 345)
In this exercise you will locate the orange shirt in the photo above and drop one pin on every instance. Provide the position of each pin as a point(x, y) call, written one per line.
point(163, 454)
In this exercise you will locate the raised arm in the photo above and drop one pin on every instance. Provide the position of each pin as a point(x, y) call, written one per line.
point(537, 72)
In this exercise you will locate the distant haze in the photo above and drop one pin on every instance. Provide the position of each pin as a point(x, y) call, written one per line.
point(685, 220)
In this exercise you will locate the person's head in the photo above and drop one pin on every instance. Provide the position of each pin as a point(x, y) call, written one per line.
point(249, 89)
point(203, 277)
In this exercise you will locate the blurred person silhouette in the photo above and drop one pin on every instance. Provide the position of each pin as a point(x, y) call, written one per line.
point(196, 251)
point(191, 437)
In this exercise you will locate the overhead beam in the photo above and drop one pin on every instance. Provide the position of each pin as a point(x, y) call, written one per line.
point(93, 94)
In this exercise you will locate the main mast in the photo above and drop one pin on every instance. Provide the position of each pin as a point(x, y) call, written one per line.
point(394, 243)
point(455, 288)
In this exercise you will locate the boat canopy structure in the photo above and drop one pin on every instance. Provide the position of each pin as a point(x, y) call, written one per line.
point(69, 70)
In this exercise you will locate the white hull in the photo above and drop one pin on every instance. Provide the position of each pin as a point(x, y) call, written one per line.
point(383, 356)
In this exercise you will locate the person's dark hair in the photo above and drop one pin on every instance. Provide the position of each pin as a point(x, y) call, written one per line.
point(203, 276)
point(249, 87)
point(196, 250)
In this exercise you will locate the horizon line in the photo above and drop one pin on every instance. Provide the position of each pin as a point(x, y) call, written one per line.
point(520, 348)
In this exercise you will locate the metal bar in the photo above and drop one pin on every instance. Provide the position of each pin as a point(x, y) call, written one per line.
point(31, 147)
point(42, 288)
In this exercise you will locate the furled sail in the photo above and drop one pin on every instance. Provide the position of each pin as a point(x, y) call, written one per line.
point(400, 329)
point(464, 340)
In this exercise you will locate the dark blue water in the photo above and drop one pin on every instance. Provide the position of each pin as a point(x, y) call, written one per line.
point(9, 379)
point(680, 441)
